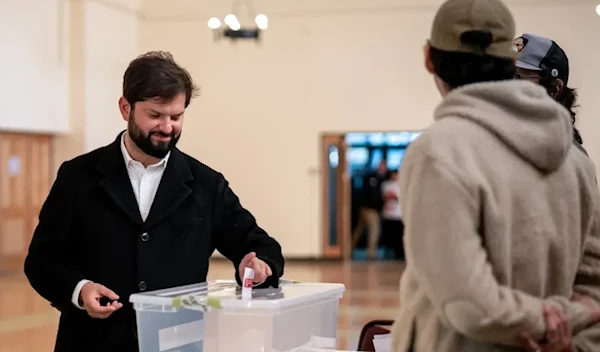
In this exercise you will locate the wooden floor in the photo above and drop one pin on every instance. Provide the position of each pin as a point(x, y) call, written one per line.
point(28, 323)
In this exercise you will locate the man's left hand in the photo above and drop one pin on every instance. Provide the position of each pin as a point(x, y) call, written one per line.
point(261, 269)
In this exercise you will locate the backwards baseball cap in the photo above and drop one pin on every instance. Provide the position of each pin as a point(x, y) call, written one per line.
point(542, 54)
point(474, 26)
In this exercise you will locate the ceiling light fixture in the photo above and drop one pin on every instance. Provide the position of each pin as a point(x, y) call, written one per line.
point(232, 28)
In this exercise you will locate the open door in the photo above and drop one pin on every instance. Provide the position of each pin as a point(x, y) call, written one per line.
point(336, 198)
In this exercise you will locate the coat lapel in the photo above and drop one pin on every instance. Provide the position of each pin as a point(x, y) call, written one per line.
point(116, 181)
point(173, 189)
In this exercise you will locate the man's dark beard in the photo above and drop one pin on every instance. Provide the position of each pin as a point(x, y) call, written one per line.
point(144, 141)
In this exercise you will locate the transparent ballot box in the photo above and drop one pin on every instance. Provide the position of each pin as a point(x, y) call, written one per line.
point(213, 317)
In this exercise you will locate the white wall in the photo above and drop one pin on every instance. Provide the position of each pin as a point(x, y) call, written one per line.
point(325, 66)
point(103, 38)
point(34, 91)
point(62, 68)
point(111, 42)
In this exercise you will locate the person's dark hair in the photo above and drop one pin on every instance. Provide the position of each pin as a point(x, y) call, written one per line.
point(567, 98)
point(459, 68)
point(156, 75)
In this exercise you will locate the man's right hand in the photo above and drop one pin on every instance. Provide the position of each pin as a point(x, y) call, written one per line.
point(558, 333)
point(90, 296)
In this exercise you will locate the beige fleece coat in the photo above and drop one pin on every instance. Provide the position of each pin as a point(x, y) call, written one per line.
point(502, 215)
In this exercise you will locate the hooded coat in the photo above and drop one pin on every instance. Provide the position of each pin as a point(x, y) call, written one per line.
point(502, 215)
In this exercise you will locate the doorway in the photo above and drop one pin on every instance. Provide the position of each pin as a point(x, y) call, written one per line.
point(347, 158)
point(25, 180)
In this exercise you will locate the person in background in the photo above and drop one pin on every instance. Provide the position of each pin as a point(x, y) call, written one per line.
point(391, 215)
point(501, 211)
point(371, 203)
point(542, 61)
point(138, 215)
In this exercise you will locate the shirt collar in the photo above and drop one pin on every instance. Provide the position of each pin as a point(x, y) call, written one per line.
point(128, 159)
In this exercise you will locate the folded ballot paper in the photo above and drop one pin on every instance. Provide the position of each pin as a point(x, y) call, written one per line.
point(382, 343)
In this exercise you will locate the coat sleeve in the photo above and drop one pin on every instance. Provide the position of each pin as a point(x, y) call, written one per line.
point(236, 234)
point(587, 340)
point(587, 283)
point(47, 265)
point(441, 211)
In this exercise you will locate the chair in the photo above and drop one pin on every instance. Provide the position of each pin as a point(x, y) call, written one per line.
point(372, 328)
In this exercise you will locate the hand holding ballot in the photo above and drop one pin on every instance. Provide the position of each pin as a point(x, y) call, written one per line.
point(261, 269)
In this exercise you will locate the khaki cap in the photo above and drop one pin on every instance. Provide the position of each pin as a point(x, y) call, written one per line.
point(455, 17)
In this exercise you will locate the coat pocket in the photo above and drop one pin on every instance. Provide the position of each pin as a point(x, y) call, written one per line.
point(187, 227)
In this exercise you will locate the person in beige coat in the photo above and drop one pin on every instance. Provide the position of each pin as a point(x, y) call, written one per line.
point(502, 211)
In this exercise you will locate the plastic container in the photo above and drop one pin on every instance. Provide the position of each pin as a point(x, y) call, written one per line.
point(213, 318)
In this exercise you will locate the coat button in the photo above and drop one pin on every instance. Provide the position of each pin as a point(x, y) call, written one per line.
point(142, 286)
point(145, 237)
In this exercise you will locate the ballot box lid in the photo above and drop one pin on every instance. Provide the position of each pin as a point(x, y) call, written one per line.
point(226, 295)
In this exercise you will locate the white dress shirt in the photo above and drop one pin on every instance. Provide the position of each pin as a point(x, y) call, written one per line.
point(144, 181)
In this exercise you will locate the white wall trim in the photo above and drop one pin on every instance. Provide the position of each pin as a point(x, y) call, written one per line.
point(195, 10)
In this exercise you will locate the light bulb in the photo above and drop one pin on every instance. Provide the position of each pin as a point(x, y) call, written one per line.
point(598, 10)
point(261, 18)
point(229, 19)
point(235, 26)
point(262, 22)
point(214, 23)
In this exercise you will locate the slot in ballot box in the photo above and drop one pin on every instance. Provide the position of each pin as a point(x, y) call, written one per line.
point(212, 317)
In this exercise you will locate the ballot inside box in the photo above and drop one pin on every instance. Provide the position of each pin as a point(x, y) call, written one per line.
point(213, 317)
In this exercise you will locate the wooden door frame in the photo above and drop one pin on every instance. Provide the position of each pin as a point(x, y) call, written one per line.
point(344, 199)
point(343, 249)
